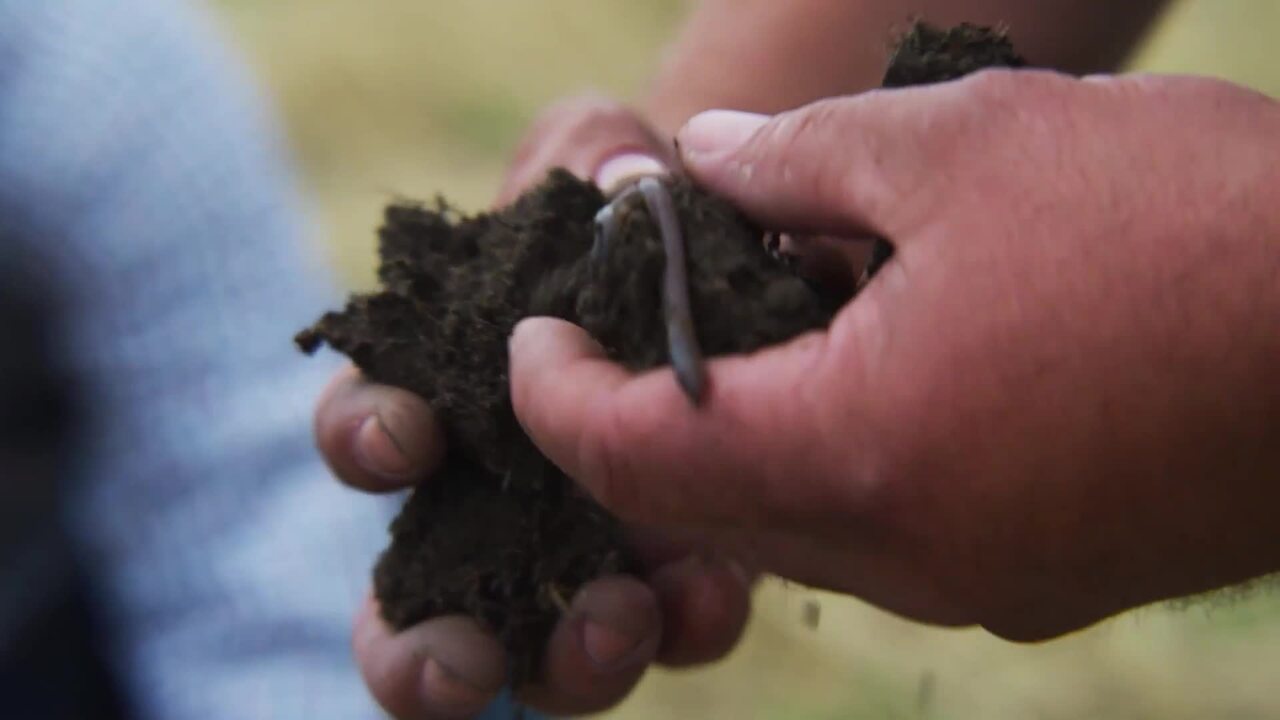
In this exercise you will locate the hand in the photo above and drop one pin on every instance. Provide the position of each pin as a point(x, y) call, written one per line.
point(1060, 399)
point(592, 137)
point(690, 609)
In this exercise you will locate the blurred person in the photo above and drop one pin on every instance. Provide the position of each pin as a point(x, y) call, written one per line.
point(1057, 402)
point(45, 634)
point(170, 547)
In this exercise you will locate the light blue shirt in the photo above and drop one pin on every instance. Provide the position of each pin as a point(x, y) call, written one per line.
point(138, 163)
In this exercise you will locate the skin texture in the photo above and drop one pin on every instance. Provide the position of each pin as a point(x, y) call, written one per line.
point(693, 605)
point(1059, 401)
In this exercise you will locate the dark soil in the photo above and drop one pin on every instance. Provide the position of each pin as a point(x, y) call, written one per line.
point(500, 533)
point(927, 55)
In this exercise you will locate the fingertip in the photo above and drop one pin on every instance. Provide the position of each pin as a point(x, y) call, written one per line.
point(444, 668)
point(713, 135)
point(621, 623)
point(821, 168)
point(705, 607)
point(378, 452)
point(619, 170)
point(375, 437)
point(601, 648)
point(538, 340)
point(446, 694)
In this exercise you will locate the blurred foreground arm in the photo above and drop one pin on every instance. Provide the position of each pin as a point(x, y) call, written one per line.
point(768, 56)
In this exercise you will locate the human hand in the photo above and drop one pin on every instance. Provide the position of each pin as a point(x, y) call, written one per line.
point(689, 609)
point(592, 137)
point(1059, 400)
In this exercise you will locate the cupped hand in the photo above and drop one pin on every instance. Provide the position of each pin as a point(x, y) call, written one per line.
point(690, 608)
point(1059, 400)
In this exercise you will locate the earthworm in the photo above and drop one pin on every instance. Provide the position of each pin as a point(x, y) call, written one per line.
point(682, 340)
point(607, 227)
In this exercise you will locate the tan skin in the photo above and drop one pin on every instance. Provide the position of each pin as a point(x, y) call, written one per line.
point(938, 449)
point(1059, 401)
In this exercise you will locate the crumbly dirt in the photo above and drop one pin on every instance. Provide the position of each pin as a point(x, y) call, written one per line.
point(499, 533)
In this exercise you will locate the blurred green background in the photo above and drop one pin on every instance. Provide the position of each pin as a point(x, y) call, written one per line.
point(393, 98)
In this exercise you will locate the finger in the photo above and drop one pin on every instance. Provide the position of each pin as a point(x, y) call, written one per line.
point(705, 598)
point(376, 437)
point(600, 649)
point(642, 450)
point(626, 168)
point(705, 604)
point(859, 165)
point(592, 137)
point(442, 669)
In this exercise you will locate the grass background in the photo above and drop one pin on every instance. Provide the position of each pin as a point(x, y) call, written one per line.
point(412, 97)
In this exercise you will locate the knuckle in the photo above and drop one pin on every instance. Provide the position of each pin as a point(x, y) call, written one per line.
point(607, 459)
point(1003, 96)
point(997, 111)
point(821, 119)
point(599, 452)
point(793, 138)
point(1001, 85)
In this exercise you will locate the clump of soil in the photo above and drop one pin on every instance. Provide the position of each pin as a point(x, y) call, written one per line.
point(500, 533)
point(926, 54)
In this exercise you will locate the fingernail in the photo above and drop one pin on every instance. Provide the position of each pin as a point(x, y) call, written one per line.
point(442, 687)
point(619, 170)
point(461, 665)
point(607, 647)
point(716, 132)
point(378, 451)
point(521, 334)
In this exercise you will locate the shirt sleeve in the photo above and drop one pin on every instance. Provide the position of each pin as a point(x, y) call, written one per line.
point(139, 162)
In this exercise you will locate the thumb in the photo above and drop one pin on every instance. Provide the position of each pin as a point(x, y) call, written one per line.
point(751, 454)
point(851, 166)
